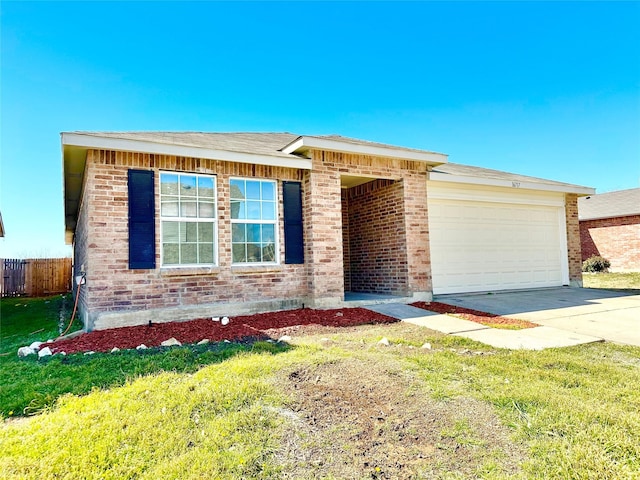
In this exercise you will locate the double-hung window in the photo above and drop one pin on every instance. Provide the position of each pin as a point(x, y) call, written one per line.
point(188, 219)
point(253, 221)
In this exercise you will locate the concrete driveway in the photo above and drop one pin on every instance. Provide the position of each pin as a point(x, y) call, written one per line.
point(611, 315)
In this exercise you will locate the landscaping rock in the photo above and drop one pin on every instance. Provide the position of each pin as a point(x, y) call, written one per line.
point(25, 351)
point(284, 339)
point(45, 352)
point(115, 349)
point(90, 352)
point(204, 341)
point(172, 342)
point(224, 321)
point(141, 347)
point(215, 319)
point(426, 346)
point(35, 346)
point(384, 341)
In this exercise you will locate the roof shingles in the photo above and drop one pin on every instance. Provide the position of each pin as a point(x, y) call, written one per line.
point(620, 203)
point(271, 144)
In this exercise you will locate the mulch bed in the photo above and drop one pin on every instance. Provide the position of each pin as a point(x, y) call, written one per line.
point(473, 315)
point(257, 326)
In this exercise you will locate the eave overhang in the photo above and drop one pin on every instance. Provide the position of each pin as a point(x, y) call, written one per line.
point(303, 144)
point(494, 182)
point(76, 145)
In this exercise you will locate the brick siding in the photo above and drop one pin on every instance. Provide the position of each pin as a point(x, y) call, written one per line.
point(101, 242)
point(573, 239)
point(324, 242)
point(617, 239)
point(346, 241)
point(101, 237)
point(376, 241)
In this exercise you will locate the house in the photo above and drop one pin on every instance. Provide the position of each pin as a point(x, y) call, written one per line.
point(174, 226)
point(610, 228)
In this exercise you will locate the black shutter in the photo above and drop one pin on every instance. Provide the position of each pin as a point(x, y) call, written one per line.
point(142, 224)
point(293, 234)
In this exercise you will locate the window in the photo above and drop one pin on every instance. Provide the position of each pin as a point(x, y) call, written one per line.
point(188, 219)
point(253, 221)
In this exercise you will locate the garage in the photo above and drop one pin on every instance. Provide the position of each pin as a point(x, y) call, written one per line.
point(487, 238)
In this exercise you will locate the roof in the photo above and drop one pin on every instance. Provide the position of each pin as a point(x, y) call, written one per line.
point(244, 142)
point(620, 203)
point(453, 172)
point(277, 149)
point(282, 149)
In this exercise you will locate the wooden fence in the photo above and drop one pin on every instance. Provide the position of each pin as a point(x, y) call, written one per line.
point(35, 277)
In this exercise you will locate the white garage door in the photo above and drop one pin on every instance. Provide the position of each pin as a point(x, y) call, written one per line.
point(485, 239)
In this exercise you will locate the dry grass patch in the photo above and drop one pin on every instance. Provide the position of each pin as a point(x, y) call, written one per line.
point(612, 280)
point(368, 418)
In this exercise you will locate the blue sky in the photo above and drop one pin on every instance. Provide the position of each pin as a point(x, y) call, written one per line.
point(539, 88)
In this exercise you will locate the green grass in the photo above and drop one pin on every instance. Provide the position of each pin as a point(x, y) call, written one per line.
point(577, 408)
point(613, 280)
point(189, 413)
point(30, 385)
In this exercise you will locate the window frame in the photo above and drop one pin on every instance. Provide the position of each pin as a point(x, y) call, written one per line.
point(182, 219)
point(275, 222)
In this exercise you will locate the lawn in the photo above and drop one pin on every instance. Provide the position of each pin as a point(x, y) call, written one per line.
point(612, 280)
point(334, 404)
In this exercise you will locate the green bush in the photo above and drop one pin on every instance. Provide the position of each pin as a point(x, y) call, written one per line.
point(596, 264)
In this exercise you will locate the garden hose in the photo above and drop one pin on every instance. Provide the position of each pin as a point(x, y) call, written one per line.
point(75, 307)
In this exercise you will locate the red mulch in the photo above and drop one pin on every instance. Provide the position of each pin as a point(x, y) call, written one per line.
point(239, 328)
point(473, 315)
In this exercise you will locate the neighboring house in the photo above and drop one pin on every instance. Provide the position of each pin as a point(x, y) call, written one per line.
point(173, 226)
point(610, 227)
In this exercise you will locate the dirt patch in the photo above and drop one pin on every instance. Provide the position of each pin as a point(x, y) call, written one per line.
point(357, 418)
point(262, 325)
point(472, 315)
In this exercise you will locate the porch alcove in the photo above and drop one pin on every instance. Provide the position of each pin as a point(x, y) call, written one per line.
point(374, 238)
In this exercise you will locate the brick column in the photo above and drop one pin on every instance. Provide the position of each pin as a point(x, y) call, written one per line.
point(417, 234)
point(573, 239)
point(323, 234)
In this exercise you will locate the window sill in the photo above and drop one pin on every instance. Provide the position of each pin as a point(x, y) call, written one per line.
point(188, 271)
point(251, 269)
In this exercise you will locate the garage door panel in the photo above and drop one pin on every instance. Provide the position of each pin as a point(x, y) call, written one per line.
point(480, 246)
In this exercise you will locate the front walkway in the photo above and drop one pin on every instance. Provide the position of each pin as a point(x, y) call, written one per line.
point(537, 338)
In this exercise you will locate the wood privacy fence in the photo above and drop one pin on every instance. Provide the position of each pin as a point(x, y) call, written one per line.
point(35, 277)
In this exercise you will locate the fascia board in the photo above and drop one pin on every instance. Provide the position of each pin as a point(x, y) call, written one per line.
point(602, 217)
point(294, 146)
point(306, 143)
point(127, 145)
point(494, 182)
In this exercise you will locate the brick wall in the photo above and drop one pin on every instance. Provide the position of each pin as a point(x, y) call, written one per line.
point(617, 239)
point(346, 241)
point(573, 239)
point(80, 243)
point(417, 233)
point(376, 241)
point(101, 238)
point(324, 243)
point(101, 242)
